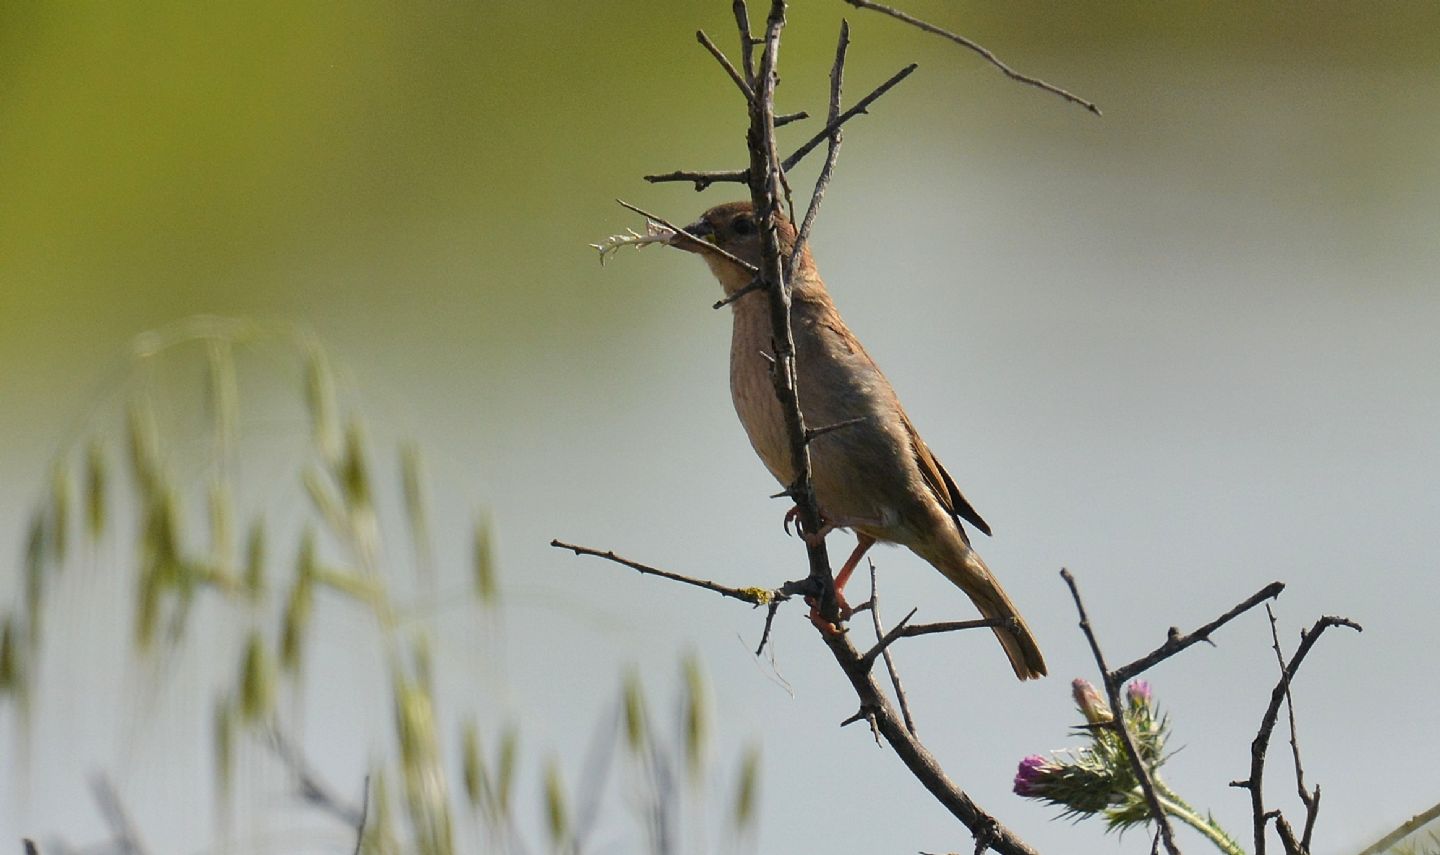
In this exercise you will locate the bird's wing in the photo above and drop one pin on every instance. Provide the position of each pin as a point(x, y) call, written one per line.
point(941, 485)
point(940, 482)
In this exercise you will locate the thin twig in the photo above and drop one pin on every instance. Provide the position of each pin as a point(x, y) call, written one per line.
point(885, 653)
point(1178, 642)
point(811, 434)
point(1261, 743)
point(756, 284)
point(710, 247)
point(769, 622)
point(883, 644)
point(837, 79)
point(702, 180)
point(977, 48)
point(831, 127)
point(782, 121)
point(747, 42)
point(753, 596)
point(724, 61)
point(916, 630)
point(1112, 691)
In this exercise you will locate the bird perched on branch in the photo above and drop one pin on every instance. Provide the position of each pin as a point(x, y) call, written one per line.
point(873, 474)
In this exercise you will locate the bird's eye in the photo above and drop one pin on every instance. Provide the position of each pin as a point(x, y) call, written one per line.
point(743, 226)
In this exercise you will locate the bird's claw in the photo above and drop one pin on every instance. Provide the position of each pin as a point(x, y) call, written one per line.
point(811, 539)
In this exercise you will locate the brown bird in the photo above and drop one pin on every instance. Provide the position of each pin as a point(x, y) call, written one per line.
point(876, 476)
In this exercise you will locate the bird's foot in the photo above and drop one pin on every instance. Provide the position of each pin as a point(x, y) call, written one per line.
point(842, 608)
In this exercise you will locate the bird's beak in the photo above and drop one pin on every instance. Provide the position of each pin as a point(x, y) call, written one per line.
point(701, 230)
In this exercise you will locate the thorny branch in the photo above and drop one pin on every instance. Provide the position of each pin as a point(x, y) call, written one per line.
point(765, 176)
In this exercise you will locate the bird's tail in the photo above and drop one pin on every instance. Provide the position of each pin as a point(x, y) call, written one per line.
point(969, 572)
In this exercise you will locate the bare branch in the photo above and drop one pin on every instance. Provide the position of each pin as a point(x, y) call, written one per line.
point(1261, 743)
point(781, 121)
point(1177, 642)
point(977, 48)
point(724, 61)
point(753, 596)
point(1311, 802)
point(1112, 692)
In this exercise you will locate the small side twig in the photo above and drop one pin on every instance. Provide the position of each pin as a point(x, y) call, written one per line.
point(1112, 692)
point(753, 596)
point(811, 434)
point(756, 284)
point(1178, 642)
point(742, 83)
point(701, 180)
point(885, 653)
point(980, 49)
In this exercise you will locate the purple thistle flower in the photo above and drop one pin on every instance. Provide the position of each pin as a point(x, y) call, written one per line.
point(1138, 693)
point(1031, 774)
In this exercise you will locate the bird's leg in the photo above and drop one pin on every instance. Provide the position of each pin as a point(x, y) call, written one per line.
point(863, 542)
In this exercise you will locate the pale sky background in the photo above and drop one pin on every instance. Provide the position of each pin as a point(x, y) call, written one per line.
point(1184, 350)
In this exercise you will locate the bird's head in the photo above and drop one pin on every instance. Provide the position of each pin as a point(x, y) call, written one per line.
point(734, 228)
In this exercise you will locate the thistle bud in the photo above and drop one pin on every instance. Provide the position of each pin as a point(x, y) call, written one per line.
point(1091, 705)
